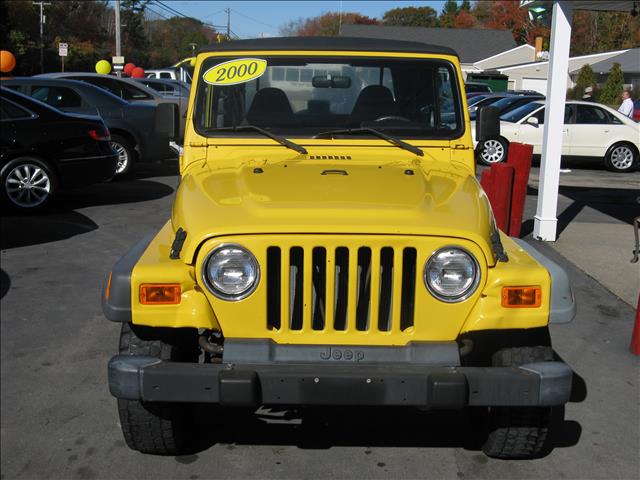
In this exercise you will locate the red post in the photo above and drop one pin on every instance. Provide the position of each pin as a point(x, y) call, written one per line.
point(519, 157)
point(635, 336)
point(486, 181)
point(502, 184)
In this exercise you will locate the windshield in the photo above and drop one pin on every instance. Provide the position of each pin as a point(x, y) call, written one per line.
point(519, 113)
point(301, 97)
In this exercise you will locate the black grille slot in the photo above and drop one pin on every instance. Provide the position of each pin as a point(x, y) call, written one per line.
point(319, 280)
point(296, 288)
point(386, 289)
point(408, 288)
point(364, 289)
point(341, 288)
point(273, 287)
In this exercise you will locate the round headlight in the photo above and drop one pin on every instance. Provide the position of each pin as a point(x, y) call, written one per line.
point(451, 274)
point(231, 272)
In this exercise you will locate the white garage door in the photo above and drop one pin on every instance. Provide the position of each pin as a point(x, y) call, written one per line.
point(537, 84)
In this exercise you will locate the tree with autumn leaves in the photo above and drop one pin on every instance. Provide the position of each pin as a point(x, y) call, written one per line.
point(592, 31)
point(88, 27)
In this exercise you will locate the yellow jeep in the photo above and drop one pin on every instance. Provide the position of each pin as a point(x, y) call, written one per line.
point(330, 245)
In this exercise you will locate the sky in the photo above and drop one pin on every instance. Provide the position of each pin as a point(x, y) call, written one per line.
point(250, 19)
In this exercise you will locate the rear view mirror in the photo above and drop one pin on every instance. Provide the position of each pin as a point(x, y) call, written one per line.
point(321, 81)
point(331, 81)
point(167, 119)
point(340, 82)
point(487, 123)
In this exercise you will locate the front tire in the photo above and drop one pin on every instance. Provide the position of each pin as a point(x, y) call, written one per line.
point(493, 150)
point(621, 157)
point(28, 184)
point(155, 427)
point(518, 432)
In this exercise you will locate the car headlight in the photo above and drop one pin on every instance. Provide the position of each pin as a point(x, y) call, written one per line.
point(231, 272)
point(451, 274)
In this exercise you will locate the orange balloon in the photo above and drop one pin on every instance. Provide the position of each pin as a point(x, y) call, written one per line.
point(7, 61)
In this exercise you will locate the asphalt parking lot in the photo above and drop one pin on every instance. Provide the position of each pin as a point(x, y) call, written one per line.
point(59, 421)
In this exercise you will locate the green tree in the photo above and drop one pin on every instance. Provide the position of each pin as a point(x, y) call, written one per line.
point(448, 15)
point(171, 39)
point(411, 17)
point(612, 88)
point(326, 25)
point(134, 42)
point(585, 79)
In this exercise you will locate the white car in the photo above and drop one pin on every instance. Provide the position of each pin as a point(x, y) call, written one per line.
point(590, 130)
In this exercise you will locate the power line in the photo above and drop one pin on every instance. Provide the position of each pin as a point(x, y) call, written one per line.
point(212, 14)
point(173, 12)
point(253, 19)
point(171, 9)
point(157, 13)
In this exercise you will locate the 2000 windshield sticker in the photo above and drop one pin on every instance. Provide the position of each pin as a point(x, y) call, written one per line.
point(237, 71)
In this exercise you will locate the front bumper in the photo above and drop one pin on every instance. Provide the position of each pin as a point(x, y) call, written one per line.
point(152, 380)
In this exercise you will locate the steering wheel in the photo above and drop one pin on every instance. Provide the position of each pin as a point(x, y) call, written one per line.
point(392, 117)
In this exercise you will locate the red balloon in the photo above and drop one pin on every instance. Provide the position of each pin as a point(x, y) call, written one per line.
point(128, 68)
point(137, 72)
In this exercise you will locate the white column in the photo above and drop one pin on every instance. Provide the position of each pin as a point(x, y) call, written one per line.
point(545, 220)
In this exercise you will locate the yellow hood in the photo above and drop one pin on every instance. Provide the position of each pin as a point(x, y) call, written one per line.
point(300, 195)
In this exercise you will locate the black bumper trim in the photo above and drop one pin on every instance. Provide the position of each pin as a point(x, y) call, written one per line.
point(148, 379)
point(117, 307)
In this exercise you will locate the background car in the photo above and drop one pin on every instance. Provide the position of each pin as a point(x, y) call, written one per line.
point(127, 89)
point(43, 150)
point(133, 125)
point(590, 130)
point(174, 73)
point(508, 103)
point(166, 86)
point(636, 110)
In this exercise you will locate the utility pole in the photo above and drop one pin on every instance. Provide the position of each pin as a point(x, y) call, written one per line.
point(228, 11)
point(42, 21)
point(118, 46)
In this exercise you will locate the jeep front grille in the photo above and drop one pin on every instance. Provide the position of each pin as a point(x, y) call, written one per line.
point(340, 288)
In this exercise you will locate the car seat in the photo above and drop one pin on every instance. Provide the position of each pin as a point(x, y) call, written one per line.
point(374, 101)
point(270, 106)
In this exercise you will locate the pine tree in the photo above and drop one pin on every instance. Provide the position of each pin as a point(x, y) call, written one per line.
point(585, 79)
point(613, 86)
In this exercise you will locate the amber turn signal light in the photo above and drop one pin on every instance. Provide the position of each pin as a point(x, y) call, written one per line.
point(107, 290)
point(521, 297)
point(160, 294)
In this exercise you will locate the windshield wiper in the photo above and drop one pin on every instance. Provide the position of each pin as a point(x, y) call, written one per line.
point(281, 140)
point(393, 140)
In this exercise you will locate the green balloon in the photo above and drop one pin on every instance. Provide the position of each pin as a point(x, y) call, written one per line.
point(103, 67)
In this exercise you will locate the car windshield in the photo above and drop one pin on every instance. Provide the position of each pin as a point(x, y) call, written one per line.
point(472, 101)
point(519, 113)
point(301, 97)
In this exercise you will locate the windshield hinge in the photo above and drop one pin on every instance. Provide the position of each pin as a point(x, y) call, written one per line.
point(177, 244)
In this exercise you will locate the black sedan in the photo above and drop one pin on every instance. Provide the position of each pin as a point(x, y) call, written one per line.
point(44, 150)
point(133, 125)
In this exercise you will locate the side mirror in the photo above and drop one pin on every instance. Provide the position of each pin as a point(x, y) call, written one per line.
point(487, 123)
point(168, 119)
point(533, 121)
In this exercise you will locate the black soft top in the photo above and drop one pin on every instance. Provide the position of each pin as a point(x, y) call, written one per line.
point(328, 43)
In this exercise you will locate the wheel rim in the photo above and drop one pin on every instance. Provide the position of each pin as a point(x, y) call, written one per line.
point(28, 185)
point(622, 157)
point(123, 157)
point(492, 151)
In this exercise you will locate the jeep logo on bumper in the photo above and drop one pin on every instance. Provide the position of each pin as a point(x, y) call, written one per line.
point(342, 354)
